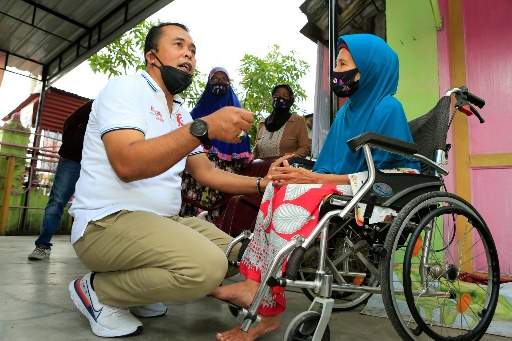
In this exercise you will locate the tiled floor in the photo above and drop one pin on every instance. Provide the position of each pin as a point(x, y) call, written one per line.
point(35, 305)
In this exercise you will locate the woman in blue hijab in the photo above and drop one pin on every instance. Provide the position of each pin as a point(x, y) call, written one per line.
point(226, 156)
point(366, 72)
point(371, 106)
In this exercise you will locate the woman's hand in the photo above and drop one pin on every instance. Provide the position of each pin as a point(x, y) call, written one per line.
point(279, 163)
point(282, 176)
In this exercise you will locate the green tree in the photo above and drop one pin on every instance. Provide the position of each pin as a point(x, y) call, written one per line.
point(124, 55)
point(261, 75)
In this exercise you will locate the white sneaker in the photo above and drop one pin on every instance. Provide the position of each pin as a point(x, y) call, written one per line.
point(105, 320)
point(39, 253)
point(149, 310)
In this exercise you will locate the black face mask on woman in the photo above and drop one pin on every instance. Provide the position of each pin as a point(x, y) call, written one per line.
point(220, 89)
point(281, 104)
point(343, 83)
point(175, 80)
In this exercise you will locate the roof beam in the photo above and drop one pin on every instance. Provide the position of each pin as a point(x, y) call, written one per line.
point(57, 14)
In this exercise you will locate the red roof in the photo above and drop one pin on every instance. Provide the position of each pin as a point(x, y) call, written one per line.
point(57, 106)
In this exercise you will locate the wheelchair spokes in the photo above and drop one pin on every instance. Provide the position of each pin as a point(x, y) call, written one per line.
point(445, 269)
point(347, 259)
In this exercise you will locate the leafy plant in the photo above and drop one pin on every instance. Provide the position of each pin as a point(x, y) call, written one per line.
point(124, 55)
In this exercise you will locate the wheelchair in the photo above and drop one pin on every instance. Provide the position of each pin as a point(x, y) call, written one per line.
point(431, 256)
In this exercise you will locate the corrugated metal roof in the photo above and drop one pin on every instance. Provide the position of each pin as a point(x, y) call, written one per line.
point(57, 106)
point(354, 16)
point(51, 37)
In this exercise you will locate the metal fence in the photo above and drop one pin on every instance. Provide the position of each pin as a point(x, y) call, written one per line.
point(28, 160)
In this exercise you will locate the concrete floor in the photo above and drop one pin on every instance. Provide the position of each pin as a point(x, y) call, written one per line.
point(35, 305)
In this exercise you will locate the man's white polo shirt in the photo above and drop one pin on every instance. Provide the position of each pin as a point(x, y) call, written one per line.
point(127, 102)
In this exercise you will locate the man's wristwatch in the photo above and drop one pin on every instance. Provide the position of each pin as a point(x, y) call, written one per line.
point(199, 129)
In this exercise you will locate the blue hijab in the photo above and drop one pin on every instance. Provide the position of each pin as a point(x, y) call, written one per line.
point(371, 108)
point(209, 103)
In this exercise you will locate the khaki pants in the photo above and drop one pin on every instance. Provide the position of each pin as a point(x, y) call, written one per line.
point(141, 258)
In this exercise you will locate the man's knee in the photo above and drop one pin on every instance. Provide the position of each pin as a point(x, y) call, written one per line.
point(211, 270)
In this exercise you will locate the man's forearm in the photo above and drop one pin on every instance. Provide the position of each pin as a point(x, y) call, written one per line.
point(233, 183)
point(144, 159)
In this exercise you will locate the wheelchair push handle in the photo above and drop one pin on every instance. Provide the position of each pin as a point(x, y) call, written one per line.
point(476, 100)
point(465, 99)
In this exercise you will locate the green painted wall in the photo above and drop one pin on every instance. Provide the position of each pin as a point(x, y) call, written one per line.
point(411, 32)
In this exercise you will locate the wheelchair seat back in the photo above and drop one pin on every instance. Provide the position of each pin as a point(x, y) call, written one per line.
point(429, 132)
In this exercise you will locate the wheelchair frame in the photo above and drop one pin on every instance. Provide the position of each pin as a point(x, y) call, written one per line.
point(419, 207)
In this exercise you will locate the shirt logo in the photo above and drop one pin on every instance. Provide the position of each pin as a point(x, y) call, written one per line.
point(157, 114)
point(179, 121)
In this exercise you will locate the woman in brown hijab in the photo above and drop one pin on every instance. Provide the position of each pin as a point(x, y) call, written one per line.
point(282, 132)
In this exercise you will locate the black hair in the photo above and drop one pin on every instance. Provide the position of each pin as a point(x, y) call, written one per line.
point(287, 87)
point(154, 35)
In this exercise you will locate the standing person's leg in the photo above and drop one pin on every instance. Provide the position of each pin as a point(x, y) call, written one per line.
point(66, 176)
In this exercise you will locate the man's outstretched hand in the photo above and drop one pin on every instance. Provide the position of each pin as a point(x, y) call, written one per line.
point(227, 123)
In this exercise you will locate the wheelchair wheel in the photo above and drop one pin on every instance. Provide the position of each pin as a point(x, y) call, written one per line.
point(344, 260)
point(303, 327)
point(440, 277)
point(470, 305)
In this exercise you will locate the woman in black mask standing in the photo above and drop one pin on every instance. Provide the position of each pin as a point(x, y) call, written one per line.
point(283, 132)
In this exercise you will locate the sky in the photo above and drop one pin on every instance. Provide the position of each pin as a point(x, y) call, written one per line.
point(223, 30)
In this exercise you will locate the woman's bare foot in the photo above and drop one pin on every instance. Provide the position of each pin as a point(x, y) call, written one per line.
point(240, 294)
point(267, 325)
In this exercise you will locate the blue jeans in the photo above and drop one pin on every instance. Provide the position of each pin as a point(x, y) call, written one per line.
point(66, 176)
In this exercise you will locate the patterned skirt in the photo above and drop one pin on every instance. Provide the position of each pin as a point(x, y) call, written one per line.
point(284, 213)
point(206, 196)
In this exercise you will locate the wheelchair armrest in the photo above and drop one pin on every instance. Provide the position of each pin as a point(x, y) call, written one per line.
point(392, 145)
point(240, 214)
point(252, 203)
point(383, 142)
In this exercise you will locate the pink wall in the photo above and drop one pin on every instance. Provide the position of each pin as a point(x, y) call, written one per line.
point(488, 48)
point(491, 188)
point(488, 41)
point(488, 57)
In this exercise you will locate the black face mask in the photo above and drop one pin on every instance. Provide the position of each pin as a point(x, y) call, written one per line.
point(343, 83)
point(175, 80)
point(281, 104)
point(220, 89)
